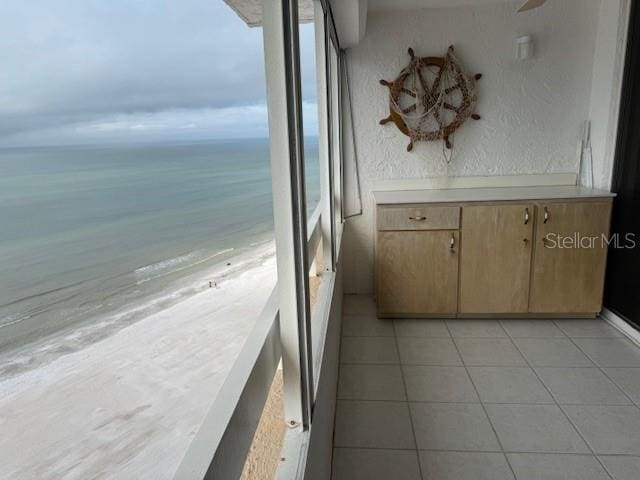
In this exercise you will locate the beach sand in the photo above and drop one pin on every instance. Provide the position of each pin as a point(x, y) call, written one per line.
point(128, 405)
point(264, 455)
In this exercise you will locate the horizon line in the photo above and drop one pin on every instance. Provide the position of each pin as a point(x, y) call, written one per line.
point(145, 142)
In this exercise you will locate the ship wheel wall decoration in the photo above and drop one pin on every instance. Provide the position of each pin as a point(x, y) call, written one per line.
point(431, 98)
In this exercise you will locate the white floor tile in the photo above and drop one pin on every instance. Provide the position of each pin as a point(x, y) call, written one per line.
point(552, 352)
point(535, 428)
point(464, 466)
point(371, 382)
point(438, 384)
point(556, 467)
point(509, 385)
point(581, 386)
point(373, 425)
point(489, 352)
point(363, 464)
point(608, 429)
point(448, 426)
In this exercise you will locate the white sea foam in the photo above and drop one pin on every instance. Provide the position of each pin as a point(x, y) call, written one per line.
point(175, 265)
point(155, 267)
point(13, 320)
point(129, 404)
point(43, 351)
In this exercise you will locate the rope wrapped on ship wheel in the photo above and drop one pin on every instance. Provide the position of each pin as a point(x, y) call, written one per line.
point(431, 98)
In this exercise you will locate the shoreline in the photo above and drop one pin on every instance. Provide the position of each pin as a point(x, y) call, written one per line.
point(22, 356)
point(128, 404)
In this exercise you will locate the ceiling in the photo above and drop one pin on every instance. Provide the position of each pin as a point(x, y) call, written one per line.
point(386, 5)
point(251, 10)
point(350, 15)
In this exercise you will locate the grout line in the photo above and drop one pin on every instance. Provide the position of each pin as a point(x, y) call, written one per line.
point(398, 336)
point(595, 320)
point(465, 366)
point(335, 405)
point(482, 365)
point(494, 337)
point(630, 403)
point(406, 396)
point(372, 364)
point(440, 402)
point(623, 390)
point(602, 369)
point(512, 337)
point(575, 427)
point(459, 365)
point(564, 337)
point(506, 452)
point(440, 337)
point(363, 400)
point(604, 372)
point(364, 337)
point(484, 409)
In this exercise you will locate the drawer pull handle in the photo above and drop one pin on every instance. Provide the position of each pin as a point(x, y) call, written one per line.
point(546, 215)
point(418, 219)
point(453, 242)
point(526, 216)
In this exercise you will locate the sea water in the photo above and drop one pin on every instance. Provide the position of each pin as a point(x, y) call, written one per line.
point(87, 230)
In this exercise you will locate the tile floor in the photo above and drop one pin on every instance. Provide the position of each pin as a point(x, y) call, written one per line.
point(485, 399)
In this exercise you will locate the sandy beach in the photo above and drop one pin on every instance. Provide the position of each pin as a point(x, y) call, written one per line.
point(127, 405)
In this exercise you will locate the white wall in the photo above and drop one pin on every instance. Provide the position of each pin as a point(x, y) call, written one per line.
point(532, 111)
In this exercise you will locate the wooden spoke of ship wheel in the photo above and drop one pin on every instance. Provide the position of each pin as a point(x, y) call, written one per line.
point(409, 109)
point(448, 90)
point(453, 108)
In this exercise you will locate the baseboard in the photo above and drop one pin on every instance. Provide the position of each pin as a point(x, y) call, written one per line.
point(621, 325)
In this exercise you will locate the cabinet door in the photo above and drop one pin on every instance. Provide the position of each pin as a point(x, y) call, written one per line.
point(569, 257)
point(417, 272)
point(495, 258)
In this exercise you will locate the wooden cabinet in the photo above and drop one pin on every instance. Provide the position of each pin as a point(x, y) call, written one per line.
point(417, 272)
point(495, 258)
point(569, 258)
point(527, 258)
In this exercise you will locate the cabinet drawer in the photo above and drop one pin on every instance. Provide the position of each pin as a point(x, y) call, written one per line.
point(418, 218)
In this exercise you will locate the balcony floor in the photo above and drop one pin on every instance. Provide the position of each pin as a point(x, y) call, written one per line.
point(485, 399)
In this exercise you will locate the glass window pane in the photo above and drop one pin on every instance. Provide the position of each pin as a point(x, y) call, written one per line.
point(336, 136)
point(310, 114)
point(136, 228)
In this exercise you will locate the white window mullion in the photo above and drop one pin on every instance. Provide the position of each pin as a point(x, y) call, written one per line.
point(325, 134)
point(280, 30)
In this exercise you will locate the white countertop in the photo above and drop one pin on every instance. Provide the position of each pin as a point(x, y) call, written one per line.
point(487, 194)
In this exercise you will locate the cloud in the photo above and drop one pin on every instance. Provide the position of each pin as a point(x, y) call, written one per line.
point(236, 122)
point(80, 70)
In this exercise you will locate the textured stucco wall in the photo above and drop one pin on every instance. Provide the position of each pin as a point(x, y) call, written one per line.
point(532, 111)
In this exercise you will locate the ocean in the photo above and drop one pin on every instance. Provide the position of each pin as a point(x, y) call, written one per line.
point(87, 230)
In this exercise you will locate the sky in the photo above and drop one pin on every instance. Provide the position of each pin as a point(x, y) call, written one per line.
point(104, 71)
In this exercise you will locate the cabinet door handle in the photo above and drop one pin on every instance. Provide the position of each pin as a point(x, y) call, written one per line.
point(418, 219)
point(453, 242)
point(526, 216)
point(546, 215)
